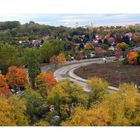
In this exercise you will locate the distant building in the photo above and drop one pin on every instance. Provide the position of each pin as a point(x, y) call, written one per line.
point(138, 24)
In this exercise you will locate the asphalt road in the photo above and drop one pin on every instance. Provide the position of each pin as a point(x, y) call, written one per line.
point(63, 73)
point(66, 72)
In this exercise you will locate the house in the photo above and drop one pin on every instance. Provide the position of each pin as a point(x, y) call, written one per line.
point(111, 48)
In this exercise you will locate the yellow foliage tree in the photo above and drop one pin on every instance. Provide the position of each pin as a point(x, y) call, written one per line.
point(88, 46)
point(61, 58)
point(123, 106)
point(95, 116)
point(66, 92)
point(136, 39)
point(19, 110)
point(120, 108)
point(122, 45)
point(41, 123)
point(64, 96)
point(12, 111)
point(97, 84)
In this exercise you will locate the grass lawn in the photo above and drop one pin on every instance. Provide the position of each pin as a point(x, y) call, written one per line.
point(115, 73)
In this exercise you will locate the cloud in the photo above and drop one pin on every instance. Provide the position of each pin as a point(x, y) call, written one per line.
point(76, 18)
point(73, 19)
point(116, 16)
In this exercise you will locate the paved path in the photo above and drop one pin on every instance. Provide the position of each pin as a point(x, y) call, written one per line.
point(67, 72)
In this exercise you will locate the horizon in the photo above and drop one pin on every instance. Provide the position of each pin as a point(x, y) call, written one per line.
point(74, 20)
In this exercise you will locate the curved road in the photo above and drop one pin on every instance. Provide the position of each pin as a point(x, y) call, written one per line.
point(66, 72)
point(63, 73)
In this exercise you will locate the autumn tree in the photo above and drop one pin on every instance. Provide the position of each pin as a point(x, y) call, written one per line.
point(4, 88)
point(123, 106)
point(136, 39)
point(95, 116)
point(98, 89)
point(120, 108)
point(12, 111)
point(16, 77)
point(123, 46)
point(19, 108)
point(64, 96)
point(54, 60)
point(45, 81)
point(88, 46)
point(132, 57)
point(41, 123)
point(61, 58)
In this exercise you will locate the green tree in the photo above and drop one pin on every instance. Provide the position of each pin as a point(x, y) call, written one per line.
point(36, 105)
point(9, 25)
point(33, 60)
point(9, 56)
point(51, 48)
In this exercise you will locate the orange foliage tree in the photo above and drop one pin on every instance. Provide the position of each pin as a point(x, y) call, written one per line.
point(132, 57)
point(4, 88)
point(61, 58)
point(16, 77)
point(45, 81)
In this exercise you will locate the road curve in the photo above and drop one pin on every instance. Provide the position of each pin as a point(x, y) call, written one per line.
point(66, 72)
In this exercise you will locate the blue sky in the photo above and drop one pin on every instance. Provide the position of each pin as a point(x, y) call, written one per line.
point(72, 20)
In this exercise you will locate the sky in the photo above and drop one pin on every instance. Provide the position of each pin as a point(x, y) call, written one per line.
point(71, 12)
point(72, 20)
